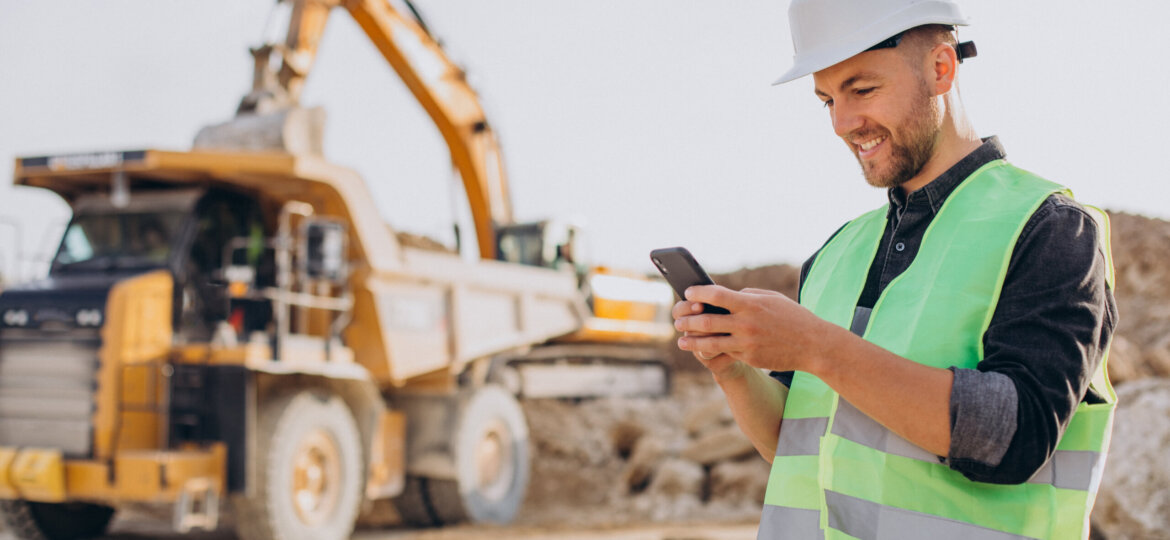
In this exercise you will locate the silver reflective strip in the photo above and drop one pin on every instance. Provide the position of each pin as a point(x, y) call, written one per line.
point(801, 436)
point(1068, 469)
point(852, 424)
point(784, 522)
point(860, 320)
point(868, 520)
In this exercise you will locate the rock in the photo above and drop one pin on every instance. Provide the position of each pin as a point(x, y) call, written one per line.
point(719, 445)
point(1126, 362)
point(625, 435)
point(1159, 361)
point(644, 459)
point(675, 493)
point(708, 415)
point(1134, 500)
point(739, 481)
point(676, 477)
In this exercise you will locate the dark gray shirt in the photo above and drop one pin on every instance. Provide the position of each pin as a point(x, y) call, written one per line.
point(1046, 338)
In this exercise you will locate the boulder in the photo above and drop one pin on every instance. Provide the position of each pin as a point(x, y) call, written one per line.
point(710, 414)
point(676, 477)
point(1134, 500)
point(740, 481)
point(719, 445)
point(644, 459)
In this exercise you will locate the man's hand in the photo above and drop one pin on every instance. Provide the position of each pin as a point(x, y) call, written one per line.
point(765, 329)
point(721, 366)
point(756, 400)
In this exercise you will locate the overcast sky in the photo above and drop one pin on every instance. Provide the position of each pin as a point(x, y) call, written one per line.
point(649, 123)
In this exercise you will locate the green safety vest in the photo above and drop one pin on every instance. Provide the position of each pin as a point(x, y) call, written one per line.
point(839, 474)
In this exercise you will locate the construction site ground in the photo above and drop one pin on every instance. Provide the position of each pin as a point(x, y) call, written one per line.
point(699, 531)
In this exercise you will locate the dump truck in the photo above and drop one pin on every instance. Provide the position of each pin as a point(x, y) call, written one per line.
point(235, 324)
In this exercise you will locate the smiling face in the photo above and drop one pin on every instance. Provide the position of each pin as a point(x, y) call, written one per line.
point(883, 108)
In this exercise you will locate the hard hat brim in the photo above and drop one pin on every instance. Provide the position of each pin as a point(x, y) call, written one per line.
point(809, 62)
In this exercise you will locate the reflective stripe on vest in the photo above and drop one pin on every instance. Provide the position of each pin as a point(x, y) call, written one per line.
point(794, 491)
point(867, 482)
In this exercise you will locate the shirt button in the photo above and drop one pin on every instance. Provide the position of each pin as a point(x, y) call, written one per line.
point(900, 246)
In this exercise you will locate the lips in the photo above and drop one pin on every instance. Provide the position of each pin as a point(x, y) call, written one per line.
point(869, 147)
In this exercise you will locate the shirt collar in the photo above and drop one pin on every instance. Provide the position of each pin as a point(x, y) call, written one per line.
point(936, 192)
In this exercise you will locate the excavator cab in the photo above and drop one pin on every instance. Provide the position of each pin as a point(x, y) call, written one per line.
point(547, 244)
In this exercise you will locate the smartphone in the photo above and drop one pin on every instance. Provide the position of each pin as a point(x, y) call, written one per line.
point(681, 271)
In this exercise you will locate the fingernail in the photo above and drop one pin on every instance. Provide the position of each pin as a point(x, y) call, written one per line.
point(682, 343)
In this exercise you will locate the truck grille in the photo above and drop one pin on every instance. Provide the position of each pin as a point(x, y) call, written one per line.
point(47, 386)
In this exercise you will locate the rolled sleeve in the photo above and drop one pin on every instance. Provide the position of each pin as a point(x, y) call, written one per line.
point(983, 416)
point(1046, 338)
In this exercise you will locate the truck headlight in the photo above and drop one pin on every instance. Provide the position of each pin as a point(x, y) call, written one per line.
point(16, 317)
point(89, 317)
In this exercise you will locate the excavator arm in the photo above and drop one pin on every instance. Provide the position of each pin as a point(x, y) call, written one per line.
point(438, 84)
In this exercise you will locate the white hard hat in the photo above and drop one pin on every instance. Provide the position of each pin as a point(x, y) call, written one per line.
point(825, 32)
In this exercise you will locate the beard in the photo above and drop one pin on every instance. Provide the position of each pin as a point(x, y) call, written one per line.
point(911, 145)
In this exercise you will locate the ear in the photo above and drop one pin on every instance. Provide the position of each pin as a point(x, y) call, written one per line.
point(942, 65)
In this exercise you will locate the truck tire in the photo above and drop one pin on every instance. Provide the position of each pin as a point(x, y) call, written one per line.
point(491, 455)
point(309, 471)
point(28, 520)
point(414, 505)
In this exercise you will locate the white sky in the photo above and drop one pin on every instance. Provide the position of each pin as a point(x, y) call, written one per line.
point(651, 123)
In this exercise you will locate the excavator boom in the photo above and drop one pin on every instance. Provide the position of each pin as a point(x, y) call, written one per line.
point(438, 84)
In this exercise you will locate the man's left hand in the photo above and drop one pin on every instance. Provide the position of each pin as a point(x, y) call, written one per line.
point(765, 329)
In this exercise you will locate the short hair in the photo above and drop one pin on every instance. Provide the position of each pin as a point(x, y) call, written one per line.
point(920, 39)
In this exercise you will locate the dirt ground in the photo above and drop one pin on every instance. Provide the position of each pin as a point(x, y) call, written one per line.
point(700, 531)
point(140, 529)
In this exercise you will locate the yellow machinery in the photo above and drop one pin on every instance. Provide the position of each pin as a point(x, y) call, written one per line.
point(236, 323)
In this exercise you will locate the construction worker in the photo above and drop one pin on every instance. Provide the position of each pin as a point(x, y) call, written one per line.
point(942, 375)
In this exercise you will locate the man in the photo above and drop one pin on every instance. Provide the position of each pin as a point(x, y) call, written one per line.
point(943, 374)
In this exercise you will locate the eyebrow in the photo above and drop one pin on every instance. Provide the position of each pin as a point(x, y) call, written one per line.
point(864, 75)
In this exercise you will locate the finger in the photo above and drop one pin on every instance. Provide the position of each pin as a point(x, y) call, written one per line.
point(710, 345)
point(684, 308)
point(705, 324)
point(753, 290)
point(716, 295)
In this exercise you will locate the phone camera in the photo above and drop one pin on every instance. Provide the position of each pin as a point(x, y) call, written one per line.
point(658, 263)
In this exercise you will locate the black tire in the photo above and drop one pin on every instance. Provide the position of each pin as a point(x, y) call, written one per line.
point(490, 421)
point(413, 504)
point(313, 433)
point(28, 520)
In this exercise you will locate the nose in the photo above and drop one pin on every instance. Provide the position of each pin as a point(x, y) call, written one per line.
point(846, 118)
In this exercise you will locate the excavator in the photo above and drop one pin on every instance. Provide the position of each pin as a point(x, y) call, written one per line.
point(235, 325)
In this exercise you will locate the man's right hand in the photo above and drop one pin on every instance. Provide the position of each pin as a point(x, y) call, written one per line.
point(722, 366)
point(756, 400)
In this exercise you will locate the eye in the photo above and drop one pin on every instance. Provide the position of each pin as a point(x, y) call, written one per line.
point(864, 91)
point(828, 103)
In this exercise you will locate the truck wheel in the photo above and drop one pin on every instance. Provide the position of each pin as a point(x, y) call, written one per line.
point(414, 505)
point(308, 469)
point(491, 461)
point(47, 521)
